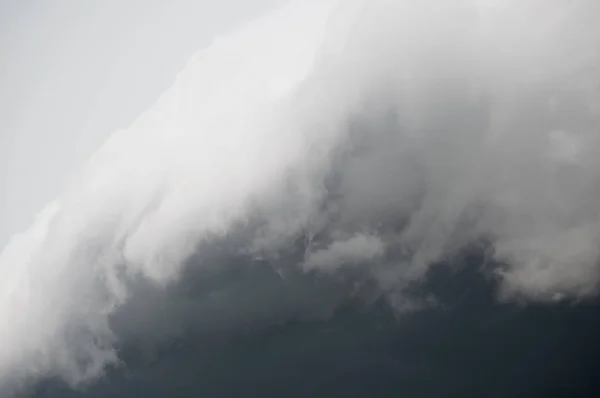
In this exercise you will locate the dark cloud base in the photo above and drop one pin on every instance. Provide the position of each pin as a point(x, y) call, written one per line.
point(467, 345)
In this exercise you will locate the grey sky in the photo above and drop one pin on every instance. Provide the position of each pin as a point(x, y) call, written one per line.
point(72, 72)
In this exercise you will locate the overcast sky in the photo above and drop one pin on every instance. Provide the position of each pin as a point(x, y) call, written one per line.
point(72, 72)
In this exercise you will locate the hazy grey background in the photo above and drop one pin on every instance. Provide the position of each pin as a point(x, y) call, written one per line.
point(72, 72)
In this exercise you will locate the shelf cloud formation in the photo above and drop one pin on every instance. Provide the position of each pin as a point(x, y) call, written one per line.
point(347, 145)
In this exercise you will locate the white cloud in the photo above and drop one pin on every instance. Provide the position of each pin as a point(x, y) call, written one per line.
point(356, 249)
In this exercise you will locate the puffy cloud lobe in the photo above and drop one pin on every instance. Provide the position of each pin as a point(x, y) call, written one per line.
point(431, 124)
point(359, 248)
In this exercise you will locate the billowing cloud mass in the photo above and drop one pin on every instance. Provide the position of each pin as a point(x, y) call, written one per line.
point(366, 137)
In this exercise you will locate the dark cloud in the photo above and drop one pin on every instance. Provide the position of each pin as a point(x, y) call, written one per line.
point(465, 345)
